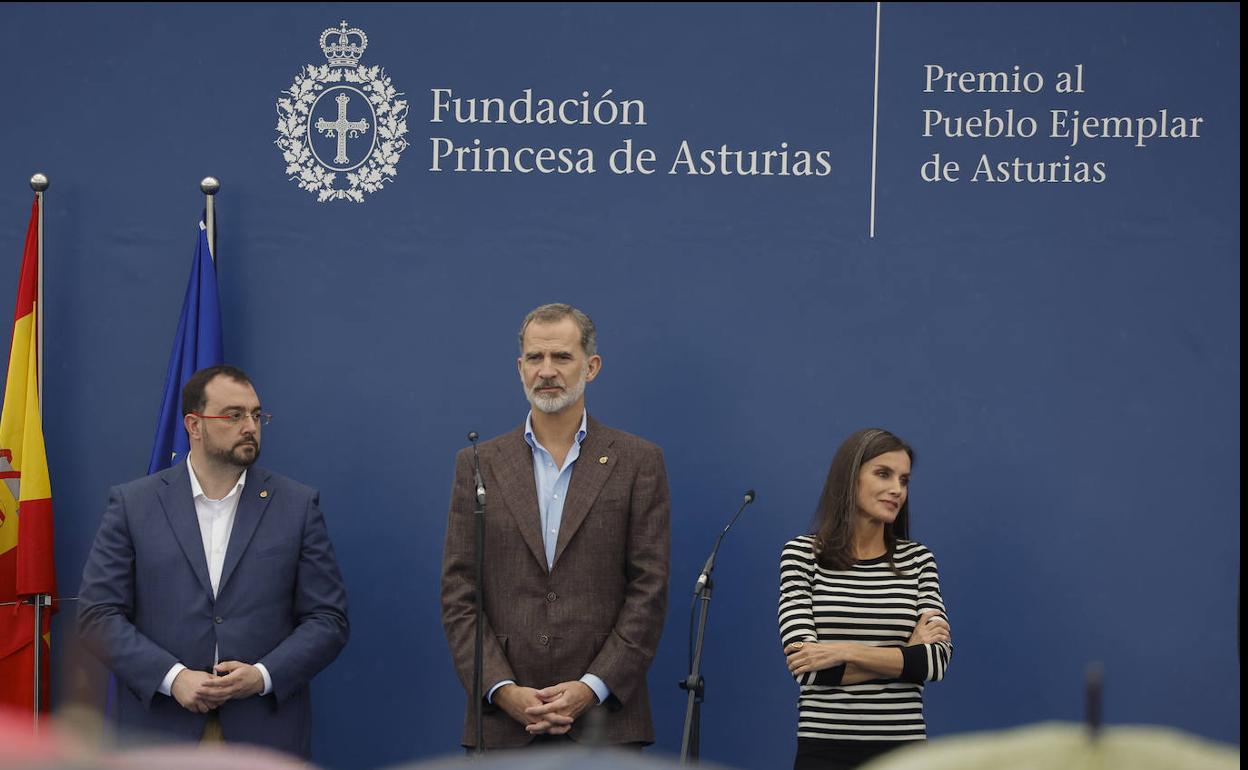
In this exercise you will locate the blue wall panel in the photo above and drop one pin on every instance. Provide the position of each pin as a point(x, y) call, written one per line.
point(1064, 357)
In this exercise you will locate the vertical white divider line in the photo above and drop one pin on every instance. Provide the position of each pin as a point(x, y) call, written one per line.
point(875, 113)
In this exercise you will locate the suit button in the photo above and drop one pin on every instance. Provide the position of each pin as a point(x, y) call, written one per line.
point(218, 619)
point(544, 639)
point(550, 597)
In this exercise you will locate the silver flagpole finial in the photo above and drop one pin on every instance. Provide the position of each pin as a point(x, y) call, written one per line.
point(209, 185)
point(39, 182)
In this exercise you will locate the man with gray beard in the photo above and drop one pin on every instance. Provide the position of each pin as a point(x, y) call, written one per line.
point(576, 558)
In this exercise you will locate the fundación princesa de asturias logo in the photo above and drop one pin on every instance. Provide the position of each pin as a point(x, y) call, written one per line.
point(341, 127)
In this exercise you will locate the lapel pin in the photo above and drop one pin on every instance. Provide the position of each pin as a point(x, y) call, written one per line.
point(264, 493)
point(602, 460)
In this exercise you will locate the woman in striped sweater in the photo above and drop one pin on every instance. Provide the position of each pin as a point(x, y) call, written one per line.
point(861, 618)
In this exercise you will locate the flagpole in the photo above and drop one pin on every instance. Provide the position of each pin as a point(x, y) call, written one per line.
point(39, 183)
point(209, 186)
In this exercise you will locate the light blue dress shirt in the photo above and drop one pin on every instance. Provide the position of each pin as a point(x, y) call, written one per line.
point(552, 484)
point(552, 491)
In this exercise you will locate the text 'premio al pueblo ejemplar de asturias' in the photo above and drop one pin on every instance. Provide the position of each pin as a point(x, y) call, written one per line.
point(1075, 133)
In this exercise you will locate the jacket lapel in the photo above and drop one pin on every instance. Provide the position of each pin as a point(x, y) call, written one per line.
point(511, 469)
point(588, 476)
point(253, 501)
point(179, 506)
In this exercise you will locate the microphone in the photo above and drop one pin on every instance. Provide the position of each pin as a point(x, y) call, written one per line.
point(476, 468)
point(705, 576)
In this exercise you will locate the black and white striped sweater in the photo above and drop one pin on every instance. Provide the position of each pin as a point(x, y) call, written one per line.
point(868, 603)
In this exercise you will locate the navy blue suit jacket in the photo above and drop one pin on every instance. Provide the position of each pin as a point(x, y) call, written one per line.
point(146, 603)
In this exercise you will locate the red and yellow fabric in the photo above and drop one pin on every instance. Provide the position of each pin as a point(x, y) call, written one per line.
point(26, 557)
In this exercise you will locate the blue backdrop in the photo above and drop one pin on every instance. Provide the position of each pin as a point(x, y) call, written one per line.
point(1065, 357)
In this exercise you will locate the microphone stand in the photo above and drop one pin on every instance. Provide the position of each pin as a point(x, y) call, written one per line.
point(694, 684)
point(479, 641)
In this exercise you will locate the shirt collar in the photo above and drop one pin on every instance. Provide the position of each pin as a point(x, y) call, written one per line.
point(532, 440)
point(198, 491)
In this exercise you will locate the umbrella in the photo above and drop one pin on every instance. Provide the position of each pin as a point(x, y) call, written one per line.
point(21, 747)
point(74, 740)
point(190, 756)
point(562, 758)
point(1065, 746)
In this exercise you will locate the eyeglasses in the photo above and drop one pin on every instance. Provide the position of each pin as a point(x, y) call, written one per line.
point(235, 416)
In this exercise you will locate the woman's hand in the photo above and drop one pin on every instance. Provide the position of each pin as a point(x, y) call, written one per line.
point(815, 656)
point(930, 629)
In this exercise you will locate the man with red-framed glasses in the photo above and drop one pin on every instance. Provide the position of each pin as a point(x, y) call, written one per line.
point(212, 590)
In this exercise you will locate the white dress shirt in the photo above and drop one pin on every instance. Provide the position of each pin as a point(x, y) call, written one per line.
point(216, 522)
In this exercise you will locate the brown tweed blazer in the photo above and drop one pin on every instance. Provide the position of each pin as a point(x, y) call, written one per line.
point(599, 610)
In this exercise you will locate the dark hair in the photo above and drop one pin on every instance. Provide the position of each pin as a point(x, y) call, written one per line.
point(557, 311)
point(834, 519)
point(193, 398)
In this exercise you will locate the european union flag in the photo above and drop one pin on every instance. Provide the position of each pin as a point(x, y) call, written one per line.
point(196, 345)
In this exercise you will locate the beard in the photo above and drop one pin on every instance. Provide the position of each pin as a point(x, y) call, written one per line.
point(242, 455)
point(556, 402)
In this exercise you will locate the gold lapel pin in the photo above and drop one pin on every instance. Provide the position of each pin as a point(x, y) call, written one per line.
point(264, 493)
point(602, 460)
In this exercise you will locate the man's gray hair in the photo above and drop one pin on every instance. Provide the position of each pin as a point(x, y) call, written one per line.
point(557, 311)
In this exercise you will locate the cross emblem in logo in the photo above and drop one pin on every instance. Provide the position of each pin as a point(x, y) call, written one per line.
point(341, 128)
point(312, 136)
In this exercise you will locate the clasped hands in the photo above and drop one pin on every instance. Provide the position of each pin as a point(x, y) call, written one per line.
point(549, 711)
point(202, 691)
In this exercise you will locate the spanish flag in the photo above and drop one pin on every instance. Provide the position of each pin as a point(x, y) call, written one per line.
point(26, 566)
